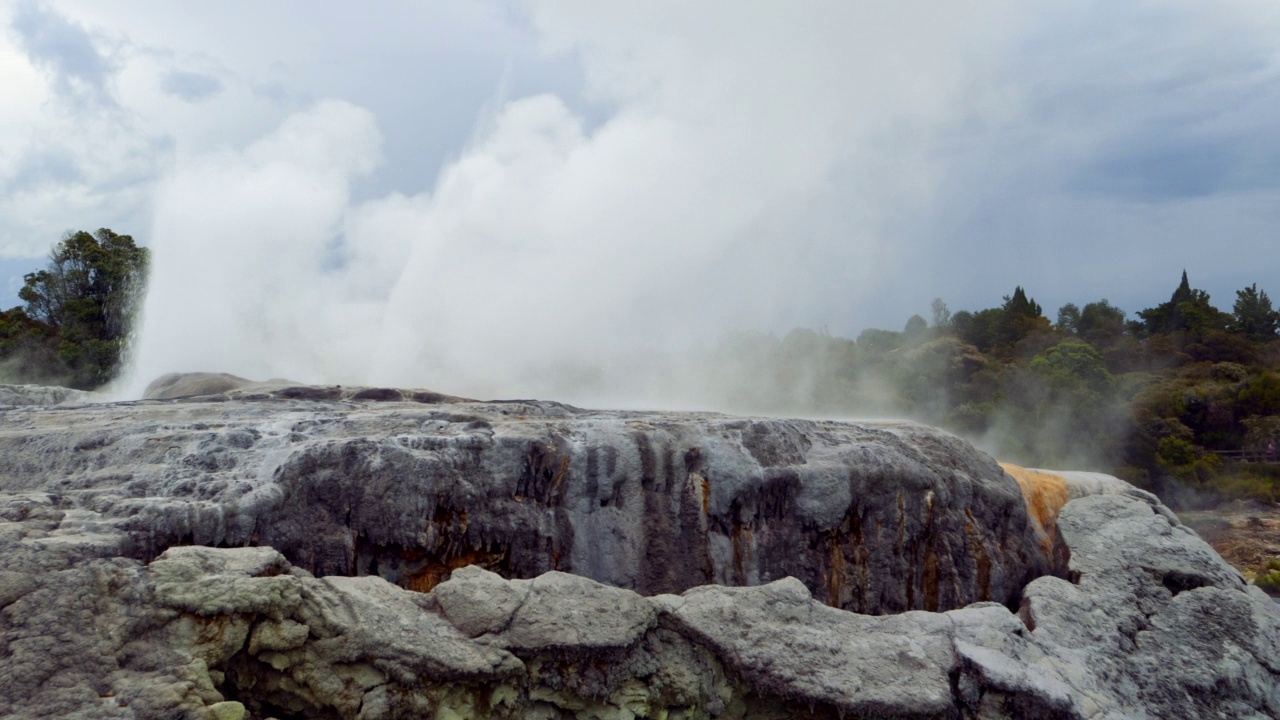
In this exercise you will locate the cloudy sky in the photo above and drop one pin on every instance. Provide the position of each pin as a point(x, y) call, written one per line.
point(478, 196)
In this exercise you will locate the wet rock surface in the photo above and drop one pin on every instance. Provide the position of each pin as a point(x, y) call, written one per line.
point(103, 614)
point(409, 485)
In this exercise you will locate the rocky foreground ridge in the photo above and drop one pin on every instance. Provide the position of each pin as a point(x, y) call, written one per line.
point(227, 550)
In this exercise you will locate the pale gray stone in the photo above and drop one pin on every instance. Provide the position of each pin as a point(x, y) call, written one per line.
point(562, 610)
point(479, 602)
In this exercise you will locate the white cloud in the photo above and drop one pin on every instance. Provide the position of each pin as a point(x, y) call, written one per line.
point(89, 117)
point(21, 94)
point(70, 156)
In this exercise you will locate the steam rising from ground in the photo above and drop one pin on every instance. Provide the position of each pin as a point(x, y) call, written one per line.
point(752, 164)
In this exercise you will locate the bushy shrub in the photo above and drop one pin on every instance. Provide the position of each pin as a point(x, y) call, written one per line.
point(1230, 372)
point(1244, 484)
point(1269, 578)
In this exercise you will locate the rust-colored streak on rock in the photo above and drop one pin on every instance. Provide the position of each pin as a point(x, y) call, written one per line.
point(930, 579)
point(862, 559)
point(557, 482)
point(451, 551)
point(214, 630)
point(742, 540)
point(980, 556)
point(835, 575)
point(929, 572)
point(438, 571)
point(1045, 494)
point(902, 521)
point(450, 528)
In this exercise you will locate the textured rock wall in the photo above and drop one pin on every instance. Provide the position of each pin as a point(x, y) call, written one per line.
point(408, 486)
point(1154, 626)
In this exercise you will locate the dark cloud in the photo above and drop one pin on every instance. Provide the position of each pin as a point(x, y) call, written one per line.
point(1169, 139)
point(46, 166)
point(190, 86)
point(1161, 169)
point(65, 48)
point(1134, 145)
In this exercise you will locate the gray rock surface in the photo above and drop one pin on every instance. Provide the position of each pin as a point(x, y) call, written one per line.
point(101, 618)
point(409, 485)
point(14, 395)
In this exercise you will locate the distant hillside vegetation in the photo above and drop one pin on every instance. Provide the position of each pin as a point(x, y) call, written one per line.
point(1182, 397)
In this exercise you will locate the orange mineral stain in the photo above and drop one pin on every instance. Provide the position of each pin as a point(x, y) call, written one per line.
point(1045, 494)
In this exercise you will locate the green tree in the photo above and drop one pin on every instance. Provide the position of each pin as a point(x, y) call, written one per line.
point(1201, 317)
point(915, 331)
point(1073, 367)
point(1165, 317)
point(1019, 304)
point(1020, 317)
point(941, 314)
point(28, 349)
point(1069, 319)
point(879, 341)
point(88, 295)
point(1261, 396)
point(1101, 323)
point(1188, 310)
point(980, 329)
point(1254, 315)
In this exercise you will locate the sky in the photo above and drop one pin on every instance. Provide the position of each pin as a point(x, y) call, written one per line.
point(541, 197)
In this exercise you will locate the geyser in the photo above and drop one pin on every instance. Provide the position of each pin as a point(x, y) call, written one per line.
point(561, 257)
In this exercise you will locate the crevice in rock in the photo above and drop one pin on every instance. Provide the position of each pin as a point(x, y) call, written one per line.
point(418, 569)
point(1176, 582)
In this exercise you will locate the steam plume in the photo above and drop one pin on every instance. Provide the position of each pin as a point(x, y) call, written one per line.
point(750, 168)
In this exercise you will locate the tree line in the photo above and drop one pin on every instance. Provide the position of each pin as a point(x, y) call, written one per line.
point(1181, 395)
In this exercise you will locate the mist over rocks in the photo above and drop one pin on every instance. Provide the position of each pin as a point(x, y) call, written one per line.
point(355, 534)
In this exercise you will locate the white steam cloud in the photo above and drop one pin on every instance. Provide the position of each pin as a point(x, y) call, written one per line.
point(753, 163)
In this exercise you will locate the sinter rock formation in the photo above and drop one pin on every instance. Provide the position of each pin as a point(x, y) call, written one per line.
point(240, 550)
point(410, 485)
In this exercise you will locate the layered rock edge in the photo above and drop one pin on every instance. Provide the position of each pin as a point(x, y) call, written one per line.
point(1155, 625)
point(409, 485)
